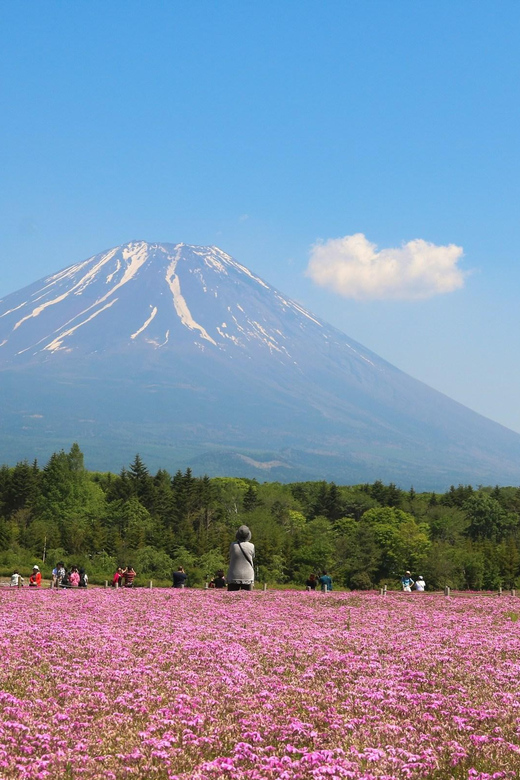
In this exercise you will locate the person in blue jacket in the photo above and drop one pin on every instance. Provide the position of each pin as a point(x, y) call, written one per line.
point(326, 580)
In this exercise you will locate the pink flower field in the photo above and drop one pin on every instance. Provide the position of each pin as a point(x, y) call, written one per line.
point(202, 684)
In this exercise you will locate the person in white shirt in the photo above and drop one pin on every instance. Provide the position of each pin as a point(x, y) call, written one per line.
point(16, 579)
point(420, 584)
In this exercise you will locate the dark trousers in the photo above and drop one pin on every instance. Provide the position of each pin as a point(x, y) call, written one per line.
point(239, 586)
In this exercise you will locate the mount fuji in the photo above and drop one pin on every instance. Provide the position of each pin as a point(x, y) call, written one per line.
point(182, 354)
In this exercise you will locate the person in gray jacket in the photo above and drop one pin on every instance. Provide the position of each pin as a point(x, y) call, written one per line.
point(241, 574)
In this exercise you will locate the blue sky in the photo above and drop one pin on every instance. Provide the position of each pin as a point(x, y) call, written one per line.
point(269, 128)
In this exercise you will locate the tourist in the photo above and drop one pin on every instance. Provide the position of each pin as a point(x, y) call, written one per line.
point(58, 575)
point(129, 576)
point(74, 577)
point(241, 573)
point(65, 580)
point(117, 580)
point(16, 579)
point(179, 578)
point(35, 580)
point(83, 579)
point(407, 582)
point(420, 584)
point(311, 582)
point(326, 581)
point(218, 581)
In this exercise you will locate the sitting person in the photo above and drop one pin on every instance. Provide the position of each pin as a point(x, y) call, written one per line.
point(65, 580)
point(16, 579)
point(420, 584)
point(219, 581)
point(58, 574)
point(74, 577)
point(35, 580)
point(117, 580)
point(312, 582)
point(83, 579)
point(326, 581)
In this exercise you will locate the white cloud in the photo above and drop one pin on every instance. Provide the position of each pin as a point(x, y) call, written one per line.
point(353, 267)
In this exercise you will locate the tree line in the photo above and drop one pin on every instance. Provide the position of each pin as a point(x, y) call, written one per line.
point(365, 535)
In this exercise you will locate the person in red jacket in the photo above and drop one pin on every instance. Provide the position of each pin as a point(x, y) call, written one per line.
point(35, 580)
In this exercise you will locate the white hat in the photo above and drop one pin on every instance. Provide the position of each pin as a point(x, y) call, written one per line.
point(36, 567)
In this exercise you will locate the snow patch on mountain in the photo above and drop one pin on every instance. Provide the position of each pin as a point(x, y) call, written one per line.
point(114, 272)
point(10, 311)
point(38, 310)
point(57, 343)
point(145, 325)
point(181, 307)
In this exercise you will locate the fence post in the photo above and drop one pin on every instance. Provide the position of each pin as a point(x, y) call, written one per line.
point(384, 589)
point(500, 591)
point(265, 586)
point(151, 584)
point(447, 590)
point(206, 586)
point(106, 584)
point(513, 592)
point(382, 592)
point(324, 588)
point(308, 588)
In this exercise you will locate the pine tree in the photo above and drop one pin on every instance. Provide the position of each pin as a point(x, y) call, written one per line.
point(333, 503)
point(250, 499)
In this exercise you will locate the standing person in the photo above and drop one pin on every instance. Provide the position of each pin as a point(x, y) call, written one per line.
point(117, 580)
point(35, 580)
point(241, 574)
point(179, 578)
point(326, 581)
point(420, 584)
point(16, 579)
point(129, 575)
point(407, 582)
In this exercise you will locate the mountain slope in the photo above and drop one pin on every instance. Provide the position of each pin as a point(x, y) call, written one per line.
point(182, 354)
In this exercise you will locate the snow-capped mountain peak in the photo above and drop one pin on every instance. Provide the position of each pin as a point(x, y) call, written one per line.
point(158, 291)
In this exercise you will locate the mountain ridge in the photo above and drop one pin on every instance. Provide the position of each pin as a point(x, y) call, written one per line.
point(216, 360)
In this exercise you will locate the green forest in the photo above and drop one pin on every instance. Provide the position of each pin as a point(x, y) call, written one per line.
point(366, 535)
